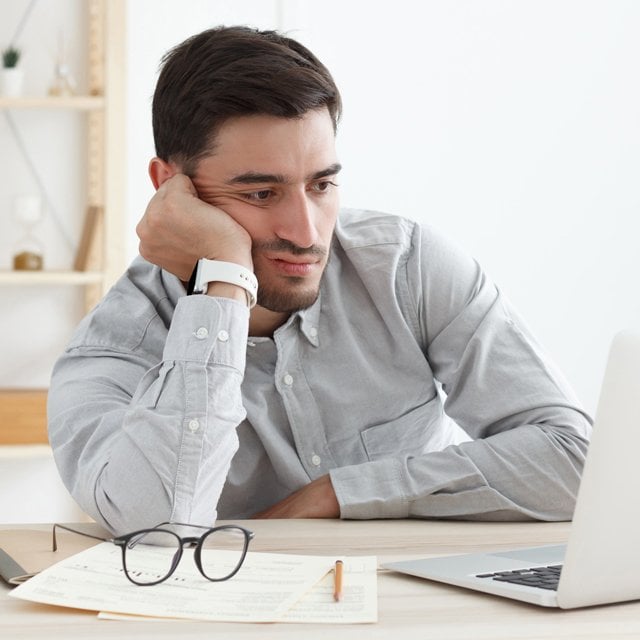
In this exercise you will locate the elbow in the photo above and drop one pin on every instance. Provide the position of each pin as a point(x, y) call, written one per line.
point(125, 502)
point(559, 499)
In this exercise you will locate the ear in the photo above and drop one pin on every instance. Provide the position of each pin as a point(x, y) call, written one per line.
point(160, 170)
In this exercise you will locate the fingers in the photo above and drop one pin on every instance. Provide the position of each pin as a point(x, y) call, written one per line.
point(178, 228)
point(179, 182)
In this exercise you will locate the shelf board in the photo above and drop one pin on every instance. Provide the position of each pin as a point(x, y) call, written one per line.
point(23, 416)
point(79, 103)
point(50, 277)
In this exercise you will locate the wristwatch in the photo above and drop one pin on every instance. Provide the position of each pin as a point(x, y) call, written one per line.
point(207, 271)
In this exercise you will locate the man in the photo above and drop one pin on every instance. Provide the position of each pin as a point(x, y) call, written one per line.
point(326, 398)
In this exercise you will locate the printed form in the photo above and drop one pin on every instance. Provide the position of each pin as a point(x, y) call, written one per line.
point(268, 588)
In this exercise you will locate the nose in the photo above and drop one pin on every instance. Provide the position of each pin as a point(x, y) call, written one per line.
point(295, 219)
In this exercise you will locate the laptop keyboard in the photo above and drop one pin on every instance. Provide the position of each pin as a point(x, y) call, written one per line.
point(541, 577)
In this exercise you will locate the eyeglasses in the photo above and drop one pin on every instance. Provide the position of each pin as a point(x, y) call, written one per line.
point(150, 556)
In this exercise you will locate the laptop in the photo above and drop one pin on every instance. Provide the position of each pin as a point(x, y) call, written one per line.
point(601, 561)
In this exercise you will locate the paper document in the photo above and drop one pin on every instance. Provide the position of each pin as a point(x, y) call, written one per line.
point(359, 603)
point(264, 590)
point(266, 586)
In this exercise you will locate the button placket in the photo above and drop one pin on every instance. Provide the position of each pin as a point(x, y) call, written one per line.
point(299, 404)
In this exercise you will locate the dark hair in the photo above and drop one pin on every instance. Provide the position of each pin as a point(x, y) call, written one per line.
point(233, 71)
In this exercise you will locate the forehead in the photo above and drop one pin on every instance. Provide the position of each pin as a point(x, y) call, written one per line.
point(267, 144)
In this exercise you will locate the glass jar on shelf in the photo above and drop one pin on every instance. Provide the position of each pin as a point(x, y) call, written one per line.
point(28, 254)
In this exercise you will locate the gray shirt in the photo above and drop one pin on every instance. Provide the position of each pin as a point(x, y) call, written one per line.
point(410, 380)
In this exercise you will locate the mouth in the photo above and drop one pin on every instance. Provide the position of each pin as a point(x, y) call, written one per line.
point(295, 265)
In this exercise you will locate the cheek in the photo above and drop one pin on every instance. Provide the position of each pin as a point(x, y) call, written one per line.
point(326, 222)
point(326, 231)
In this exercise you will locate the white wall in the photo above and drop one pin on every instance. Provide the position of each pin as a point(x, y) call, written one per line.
point(513, 126)
point(31, 489)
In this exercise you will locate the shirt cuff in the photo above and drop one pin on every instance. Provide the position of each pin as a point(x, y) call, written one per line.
point(371, 490)
point(209, 330)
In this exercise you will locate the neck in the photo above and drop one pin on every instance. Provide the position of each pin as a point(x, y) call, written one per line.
point(264, 322)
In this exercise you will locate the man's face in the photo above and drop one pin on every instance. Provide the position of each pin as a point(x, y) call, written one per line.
point(276, 178)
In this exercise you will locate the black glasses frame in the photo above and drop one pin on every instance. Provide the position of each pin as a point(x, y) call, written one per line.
point(182, 541)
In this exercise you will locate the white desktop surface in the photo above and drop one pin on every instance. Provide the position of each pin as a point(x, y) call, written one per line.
point(408, 607)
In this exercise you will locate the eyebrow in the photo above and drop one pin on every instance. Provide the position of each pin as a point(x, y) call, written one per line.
point(253, 177)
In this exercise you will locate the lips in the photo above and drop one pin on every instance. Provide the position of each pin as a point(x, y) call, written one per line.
point(294, 265)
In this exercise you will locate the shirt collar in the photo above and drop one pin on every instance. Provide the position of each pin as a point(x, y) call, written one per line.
point(307, 321)
point(310, 321)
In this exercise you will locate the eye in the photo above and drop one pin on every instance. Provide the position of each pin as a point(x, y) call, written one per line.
point(258, 196)
point(322, 186)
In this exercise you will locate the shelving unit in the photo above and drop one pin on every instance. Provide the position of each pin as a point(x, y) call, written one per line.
point(103, 107)
point(25, 278)
point(80, 103)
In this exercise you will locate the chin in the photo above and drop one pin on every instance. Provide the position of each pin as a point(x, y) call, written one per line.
point(287, 300)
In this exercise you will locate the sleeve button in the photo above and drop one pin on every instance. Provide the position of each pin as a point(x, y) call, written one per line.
point(201, 333)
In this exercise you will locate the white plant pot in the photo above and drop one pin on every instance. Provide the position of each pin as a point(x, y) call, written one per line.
point(11, 81)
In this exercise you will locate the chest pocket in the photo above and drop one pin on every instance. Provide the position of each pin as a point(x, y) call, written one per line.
point(416, 432)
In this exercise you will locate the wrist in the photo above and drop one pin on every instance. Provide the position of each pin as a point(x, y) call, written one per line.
point(226, 290)
point(242, 260)
point(217, 277)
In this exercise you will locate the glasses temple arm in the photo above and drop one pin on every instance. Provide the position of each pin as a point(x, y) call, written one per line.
point(54, 543)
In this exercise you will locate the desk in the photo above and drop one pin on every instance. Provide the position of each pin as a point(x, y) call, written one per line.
point(408, 607)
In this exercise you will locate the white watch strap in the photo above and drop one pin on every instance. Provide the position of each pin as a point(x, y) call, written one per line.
point(218, 271)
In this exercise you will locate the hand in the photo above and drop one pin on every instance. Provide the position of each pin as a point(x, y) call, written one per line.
point(178, 229)
point(315, 500)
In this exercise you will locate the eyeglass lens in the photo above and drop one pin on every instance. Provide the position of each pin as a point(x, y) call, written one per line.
point(152, 555)
point(222, 552)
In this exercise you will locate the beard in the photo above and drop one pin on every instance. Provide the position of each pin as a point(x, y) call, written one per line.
point(294, 297)
point(292, 293)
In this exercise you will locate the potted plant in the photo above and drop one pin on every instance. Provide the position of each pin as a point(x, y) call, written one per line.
point(11, 75)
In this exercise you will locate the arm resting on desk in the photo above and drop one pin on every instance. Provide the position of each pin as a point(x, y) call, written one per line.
point(139, 441)
point(529, 432)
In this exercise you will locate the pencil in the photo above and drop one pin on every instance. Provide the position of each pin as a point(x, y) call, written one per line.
point(337, 581)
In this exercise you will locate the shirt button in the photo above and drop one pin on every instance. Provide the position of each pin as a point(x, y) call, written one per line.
point(316, 460)
point(313, 332)
point(201, 333)
point(194, 425)
point(288, 379)
point(223, 336)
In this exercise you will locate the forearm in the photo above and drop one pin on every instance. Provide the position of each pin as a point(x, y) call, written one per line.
point(531, 472)
point(136, 448)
